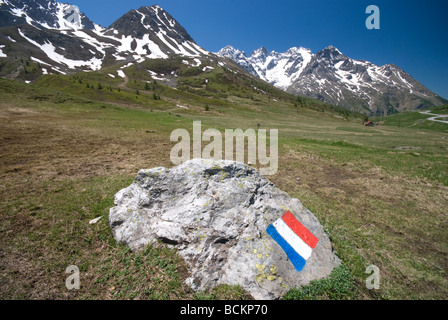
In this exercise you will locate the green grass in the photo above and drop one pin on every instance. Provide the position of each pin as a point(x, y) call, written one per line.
point(339, 285)
point(415, 120)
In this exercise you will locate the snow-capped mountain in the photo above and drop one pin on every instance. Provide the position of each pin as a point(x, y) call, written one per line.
point(154, 32)
point(59, 38)
point(331, 76)
point(279, 69)
point(46, 14)
point(239, 57)
point(337, 79)
point(66, 41)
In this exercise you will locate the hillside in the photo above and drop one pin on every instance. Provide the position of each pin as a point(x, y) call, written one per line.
point(47, 37)
point(418, 119)
point(190, 82)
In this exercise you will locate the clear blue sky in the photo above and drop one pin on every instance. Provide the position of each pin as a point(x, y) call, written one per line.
point(413, 34)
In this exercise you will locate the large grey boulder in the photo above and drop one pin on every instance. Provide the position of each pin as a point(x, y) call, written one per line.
point(216, 213)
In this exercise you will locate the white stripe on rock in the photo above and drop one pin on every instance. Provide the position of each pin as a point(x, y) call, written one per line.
point(294, 240)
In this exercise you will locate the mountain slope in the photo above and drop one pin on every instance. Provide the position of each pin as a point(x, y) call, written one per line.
point(331, 76)
point(238, 57)
point(279, 69)
point(361, 85)
point(40, 37)
point(154, 25)
point(48, 14)
point(62, 46)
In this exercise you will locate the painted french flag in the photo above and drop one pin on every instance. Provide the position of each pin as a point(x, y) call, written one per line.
point(294, 238)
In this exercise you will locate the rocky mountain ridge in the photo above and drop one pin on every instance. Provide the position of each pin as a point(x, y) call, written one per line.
point(64, 40)
point(61, 39)
point(331, 76)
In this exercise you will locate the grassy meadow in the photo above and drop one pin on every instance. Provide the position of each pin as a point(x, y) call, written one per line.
point(66, 149)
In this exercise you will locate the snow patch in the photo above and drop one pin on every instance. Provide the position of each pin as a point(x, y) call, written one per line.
point(92, 41)
point(307, 56)
point(156, 52)
point(40, 61)
point(50, 51)
point(410, 86)
point(156, 76)
point(127, 65)
point(2, 55)
point(121, 73)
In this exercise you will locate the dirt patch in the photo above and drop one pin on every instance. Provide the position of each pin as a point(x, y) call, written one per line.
point(50, 147)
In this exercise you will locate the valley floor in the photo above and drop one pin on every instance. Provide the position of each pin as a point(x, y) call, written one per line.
point(381, 193)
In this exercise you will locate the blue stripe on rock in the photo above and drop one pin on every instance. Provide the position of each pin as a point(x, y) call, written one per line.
point(296, 259)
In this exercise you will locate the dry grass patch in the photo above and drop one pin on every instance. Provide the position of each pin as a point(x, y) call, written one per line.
point(375, 217)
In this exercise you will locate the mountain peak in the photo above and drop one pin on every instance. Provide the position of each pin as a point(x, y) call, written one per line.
point(154, 19)
point(297, 50)
point(230, 52)
point(156, 6)
point(260, 52)
point(44, 14)
point(331, 54)
point(293, 50)
point(145, 33)
point(331, 48)
point(229, 47)
point(279, 69)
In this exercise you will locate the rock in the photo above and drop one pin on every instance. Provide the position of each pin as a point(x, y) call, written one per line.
point(94, 221)
point(215, 213)
point(407, 148)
